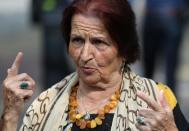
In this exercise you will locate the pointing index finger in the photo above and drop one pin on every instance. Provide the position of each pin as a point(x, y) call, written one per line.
point(16, 65)
point(151, 103)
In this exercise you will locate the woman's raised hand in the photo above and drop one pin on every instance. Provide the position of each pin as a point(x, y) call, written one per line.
point(16, 89)
point(158, 118)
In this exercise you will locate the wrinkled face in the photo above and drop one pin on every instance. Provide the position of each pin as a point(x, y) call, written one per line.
point(93, 51)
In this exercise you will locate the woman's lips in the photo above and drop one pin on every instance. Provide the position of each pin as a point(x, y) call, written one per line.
point(88, 70)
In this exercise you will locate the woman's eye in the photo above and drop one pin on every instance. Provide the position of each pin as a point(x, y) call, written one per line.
point(97, 41)
point(100, 44)
point(77, 40)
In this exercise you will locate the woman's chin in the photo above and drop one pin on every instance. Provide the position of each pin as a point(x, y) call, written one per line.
point(90, 79)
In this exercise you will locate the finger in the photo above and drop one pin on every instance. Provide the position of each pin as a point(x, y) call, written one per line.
point(162, 100)
point(20, 78)
point(151, 116)
point(24, 77)
point(17, 61)
point(29, 87)
point(27, 95)
point(147, 113)
point(155, 119)
point(142, 127)
point(16, 65)
point(153, 123)
point(151, 103)
point(24, 94)
point(17, 85)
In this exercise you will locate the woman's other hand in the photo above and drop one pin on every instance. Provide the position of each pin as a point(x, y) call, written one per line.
point(17, 88)
point(159, 117)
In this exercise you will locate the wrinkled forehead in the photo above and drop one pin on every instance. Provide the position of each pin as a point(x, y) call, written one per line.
point(87, 24)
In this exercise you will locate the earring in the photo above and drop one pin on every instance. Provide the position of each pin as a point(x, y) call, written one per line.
point(124, 66)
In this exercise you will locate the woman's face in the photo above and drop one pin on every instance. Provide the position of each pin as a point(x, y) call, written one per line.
point(95, 54)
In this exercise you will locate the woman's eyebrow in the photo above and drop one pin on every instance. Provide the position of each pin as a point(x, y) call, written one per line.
point(75, 35)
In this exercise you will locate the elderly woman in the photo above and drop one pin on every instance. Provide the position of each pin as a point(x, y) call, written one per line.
point(103, 94)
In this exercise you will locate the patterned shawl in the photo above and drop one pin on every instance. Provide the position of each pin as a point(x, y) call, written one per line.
point(49, 111)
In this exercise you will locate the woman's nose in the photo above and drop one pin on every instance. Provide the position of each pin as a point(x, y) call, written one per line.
point(86, 53)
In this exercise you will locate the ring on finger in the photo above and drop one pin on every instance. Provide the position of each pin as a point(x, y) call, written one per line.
point(24, 85)
point(140, 120)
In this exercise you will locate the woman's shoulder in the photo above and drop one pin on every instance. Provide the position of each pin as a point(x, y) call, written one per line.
point(54, 90)
point(179, 117)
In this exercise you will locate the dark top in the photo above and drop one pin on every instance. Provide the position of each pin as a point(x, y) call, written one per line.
point(106, 125)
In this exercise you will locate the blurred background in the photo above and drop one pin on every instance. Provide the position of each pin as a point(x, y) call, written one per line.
point(32, 26)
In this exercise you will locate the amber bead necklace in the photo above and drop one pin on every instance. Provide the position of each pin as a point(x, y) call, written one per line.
point(83, 120)
point(87, 111)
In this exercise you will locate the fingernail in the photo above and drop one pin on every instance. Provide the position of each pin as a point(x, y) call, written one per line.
point(20, 53)
point(8, 70)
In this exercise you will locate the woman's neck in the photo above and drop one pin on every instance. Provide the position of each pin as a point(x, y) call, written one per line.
point(99, 91)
